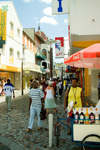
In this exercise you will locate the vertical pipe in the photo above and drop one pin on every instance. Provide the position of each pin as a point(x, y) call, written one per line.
point(22, 77)
point(50, 129)
point(51, 63)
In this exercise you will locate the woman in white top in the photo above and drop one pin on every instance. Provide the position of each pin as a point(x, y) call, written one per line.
point(49, 101)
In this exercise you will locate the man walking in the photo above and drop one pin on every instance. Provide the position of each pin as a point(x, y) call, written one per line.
point(8, 88)
point(35, 104)
point(99, 86)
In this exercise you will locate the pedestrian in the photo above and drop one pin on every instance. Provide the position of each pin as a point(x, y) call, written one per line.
point(60, 88)
point(36, 99)
point(50, 101)
point(98, 86)
point(76, 94)
point(54, 85)
point(36, 79)
point(30, 83)
point(8, 88)
point(64, 84)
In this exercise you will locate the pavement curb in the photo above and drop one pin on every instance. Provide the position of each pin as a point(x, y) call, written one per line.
point(12, 145)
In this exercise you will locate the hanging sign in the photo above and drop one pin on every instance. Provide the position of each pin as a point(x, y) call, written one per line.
point(59, 7)
point(3, 18)
point(59, 47)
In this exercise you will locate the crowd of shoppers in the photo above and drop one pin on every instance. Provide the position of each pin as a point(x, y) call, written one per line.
point(44, 93)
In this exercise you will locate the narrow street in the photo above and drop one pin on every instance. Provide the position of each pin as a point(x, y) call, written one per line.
point(13, 125)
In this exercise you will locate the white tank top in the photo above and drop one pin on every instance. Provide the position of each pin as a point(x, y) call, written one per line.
point(49, 94)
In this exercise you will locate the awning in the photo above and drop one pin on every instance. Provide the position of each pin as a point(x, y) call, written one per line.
point(86, 58)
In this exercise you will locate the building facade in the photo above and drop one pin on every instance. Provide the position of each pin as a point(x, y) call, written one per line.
point(84, 31)
point(12, 49)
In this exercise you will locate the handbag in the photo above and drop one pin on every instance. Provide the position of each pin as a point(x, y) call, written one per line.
point(43, 113)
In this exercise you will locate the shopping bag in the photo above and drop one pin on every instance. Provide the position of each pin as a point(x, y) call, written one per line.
point(43, 113)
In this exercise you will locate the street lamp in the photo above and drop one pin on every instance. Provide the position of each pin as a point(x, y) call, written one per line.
point(50, 41)
point(22, 73)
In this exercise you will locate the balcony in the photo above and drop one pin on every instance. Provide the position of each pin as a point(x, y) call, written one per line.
point(40, 55)
point(31, 67)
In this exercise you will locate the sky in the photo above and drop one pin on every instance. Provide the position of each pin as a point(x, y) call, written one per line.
point(31, 12)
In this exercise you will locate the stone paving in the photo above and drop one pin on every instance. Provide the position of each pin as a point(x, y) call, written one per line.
point(13, 125)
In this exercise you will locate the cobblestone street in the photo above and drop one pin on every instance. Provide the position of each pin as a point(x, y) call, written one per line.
point(13, 125)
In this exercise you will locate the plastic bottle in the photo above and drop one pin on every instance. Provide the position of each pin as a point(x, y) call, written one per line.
point(96, 116)
point(76, 117)
point(81, 117)
point(92, 117)
point(87, 116)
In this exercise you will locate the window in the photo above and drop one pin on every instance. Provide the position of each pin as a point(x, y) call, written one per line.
point(11, 26)
point(18, 55)
point(11, 58)
point(11, 29)
point(18, 31)
point(11, 52)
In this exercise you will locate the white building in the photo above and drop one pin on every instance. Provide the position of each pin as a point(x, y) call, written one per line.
point(84, 31)
point(12, 50)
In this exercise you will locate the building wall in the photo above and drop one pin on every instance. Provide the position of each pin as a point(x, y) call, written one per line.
point(82, 13)
point(12, 64)
point(15, 41)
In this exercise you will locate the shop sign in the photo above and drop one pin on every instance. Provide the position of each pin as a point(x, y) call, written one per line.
point(59, 7)
point(59, 47)
point(3, 17)
point(27, 71)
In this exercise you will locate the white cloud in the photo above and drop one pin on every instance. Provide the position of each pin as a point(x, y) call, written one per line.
point(48, 11)
point(65, 21)
point(46, 1)
point(48, 20)
point(27, 1)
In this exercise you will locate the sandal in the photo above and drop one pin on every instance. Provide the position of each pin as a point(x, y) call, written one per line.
point(69, 132)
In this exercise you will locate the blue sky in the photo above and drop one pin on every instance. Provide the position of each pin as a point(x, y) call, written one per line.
point(30, 12)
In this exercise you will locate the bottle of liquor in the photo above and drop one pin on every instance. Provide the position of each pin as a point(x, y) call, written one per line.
point(92, 117)
point(97, 117)
point(87, 117)
point(81, 117)
point(76, 117)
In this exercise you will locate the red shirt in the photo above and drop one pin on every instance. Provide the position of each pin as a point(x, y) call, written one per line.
point(54, 84)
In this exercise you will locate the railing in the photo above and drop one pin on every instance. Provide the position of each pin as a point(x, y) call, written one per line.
point(40, 54)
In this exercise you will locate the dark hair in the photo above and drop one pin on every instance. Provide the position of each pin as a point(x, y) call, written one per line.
point(8, 80)
point(36, 78)
point(31, 80)
point(74, 79)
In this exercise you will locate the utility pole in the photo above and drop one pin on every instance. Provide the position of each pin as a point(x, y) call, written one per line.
point(51, 63)
point(62, 77)
point(22, 77)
